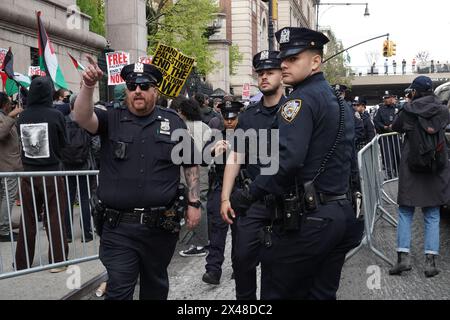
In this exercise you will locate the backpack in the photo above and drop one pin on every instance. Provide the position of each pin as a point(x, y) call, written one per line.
point(77, 150)
point(428, 152)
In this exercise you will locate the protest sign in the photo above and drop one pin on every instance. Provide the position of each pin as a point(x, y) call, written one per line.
point(35, 70)
point(246, 91)
point(115, 61)
point(175, 67)
point(145, 59)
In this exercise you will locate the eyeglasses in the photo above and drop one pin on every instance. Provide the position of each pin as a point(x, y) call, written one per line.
point(144, 86)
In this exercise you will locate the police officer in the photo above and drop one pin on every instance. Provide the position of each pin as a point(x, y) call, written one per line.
point(359, 126)
point(369, 129)
point(138, 182)
point(314, 225)
point(217, 227)
point(390, 146)
point(258, 116)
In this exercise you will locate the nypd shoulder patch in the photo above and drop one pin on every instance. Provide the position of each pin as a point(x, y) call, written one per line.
point(290, 109)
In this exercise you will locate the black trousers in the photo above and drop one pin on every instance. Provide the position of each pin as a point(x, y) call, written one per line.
point(247, 250)
point(132, 250)
point(83, 198)
point(307, 264)
point(217, 230)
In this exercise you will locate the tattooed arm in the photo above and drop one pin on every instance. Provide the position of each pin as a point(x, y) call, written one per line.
point(192, 175)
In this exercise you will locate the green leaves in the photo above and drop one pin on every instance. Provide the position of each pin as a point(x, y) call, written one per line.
point(95, 9)
point(182, 25)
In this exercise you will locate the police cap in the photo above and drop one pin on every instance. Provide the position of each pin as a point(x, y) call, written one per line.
point(141, 73)
point(388, 94)
point(230, 109)
point(360, 101)
point(295, 40)
point(266, 60)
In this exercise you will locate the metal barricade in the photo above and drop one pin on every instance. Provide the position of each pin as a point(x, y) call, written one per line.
point(378, 164)
point(45, 206)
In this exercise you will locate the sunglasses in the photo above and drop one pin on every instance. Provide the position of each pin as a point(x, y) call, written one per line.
point(144, 86)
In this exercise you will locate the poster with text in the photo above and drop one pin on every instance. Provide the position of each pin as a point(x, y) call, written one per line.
point(115, 61)
point(175, 67)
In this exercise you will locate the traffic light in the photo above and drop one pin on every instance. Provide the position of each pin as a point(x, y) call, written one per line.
point(392, 48)
point(386, 48)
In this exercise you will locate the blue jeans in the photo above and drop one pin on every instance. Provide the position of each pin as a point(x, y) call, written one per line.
point(431, 217)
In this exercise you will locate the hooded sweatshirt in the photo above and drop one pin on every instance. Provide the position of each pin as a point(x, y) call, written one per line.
point(41, 129)
point(431, 112)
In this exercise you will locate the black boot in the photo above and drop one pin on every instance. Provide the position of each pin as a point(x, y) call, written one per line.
point(403, 264)
point(430, 266)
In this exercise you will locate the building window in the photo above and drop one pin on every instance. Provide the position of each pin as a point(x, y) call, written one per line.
point(264, 33)
point(34, 56)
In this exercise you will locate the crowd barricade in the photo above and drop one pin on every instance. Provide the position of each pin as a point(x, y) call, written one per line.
point(54, 234)
point(378, 163)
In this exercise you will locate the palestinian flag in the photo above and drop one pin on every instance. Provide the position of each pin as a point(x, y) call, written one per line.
point(10, 79)
point(77, 64)
point(47, 56)
point(8, 63)
point(10, 84)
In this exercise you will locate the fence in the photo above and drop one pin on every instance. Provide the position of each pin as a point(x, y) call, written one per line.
point(45, 205)
point(379, 163)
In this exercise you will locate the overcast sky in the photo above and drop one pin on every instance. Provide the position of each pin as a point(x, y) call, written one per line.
point(414, 25)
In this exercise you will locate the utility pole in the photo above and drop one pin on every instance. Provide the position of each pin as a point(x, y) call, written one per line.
point(270, 25)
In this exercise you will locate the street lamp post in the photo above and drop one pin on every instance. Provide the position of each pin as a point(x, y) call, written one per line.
point(318, 4)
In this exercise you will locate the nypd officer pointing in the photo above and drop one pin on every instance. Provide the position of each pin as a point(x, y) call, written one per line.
point(313, 224)
point(138, 188)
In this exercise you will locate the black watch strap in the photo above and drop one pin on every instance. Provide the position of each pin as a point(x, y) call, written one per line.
point(197, 204)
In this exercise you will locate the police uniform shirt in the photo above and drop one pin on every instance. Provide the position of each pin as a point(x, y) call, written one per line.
point(145, 175)
point(308, 123)
point(384, 117)
point(257, 117)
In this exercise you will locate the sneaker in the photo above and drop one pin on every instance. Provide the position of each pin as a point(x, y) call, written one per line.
point(211, 277)
point(100, 292)
point(193, 251)
point(7, 238)
point(59, 269)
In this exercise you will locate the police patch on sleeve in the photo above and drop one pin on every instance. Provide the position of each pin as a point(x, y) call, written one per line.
point(290, 109)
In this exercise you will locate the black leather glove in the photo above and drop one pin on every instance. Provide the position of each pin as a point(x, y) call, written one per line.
point(241, 200)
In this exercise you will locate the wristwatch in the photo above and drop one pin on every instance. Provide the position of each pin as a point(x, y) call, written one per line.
point(197, 204)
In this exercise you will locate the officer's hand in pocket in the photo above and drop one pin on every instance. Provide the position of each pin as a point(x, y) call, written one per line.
point(227, 212)
point(192, 217)
point(241, 200)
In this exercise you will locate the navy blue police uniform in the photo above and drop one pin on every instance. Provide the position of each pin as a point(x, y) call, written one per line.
point(247, 249)
point(369, 128)
point(390, 146)
point(138, 182)
point(303, 259)
point(218, 228)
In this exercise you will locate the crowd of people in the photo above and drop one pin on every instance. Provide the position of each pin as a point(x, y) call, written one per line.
point(297, 224)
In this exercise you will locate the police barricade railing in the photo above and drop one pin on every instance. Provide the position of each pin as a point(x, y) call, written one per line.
point(45, 200)
point(372, 178)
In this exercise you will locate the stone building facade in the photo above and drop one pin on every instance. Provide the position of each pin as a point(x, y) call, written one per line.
point(246, 26)
point(67, 29)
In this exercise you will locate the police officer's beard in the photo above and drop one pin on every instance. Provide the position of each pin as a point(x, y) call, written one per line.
point(269, 92)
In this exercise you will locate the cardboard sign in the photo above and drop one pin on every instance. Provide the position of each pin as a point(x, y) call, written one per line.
point(3, 53)
point(115, 61)
point(246, 91)
point(145, 59)
point(175, 67)
point(35, 70)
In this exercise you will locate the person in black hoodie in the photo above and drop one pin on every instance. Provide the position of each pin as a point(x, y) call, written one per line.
point(43, 135)
point(428, 190)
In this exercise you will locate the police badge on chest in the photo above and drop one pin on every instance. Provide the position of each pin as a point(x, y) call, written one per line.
point(165, 127)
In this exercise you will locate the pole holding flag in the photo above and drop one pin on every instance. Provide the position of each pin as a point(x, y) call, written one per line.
point(76, 63)
point(47, 56)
